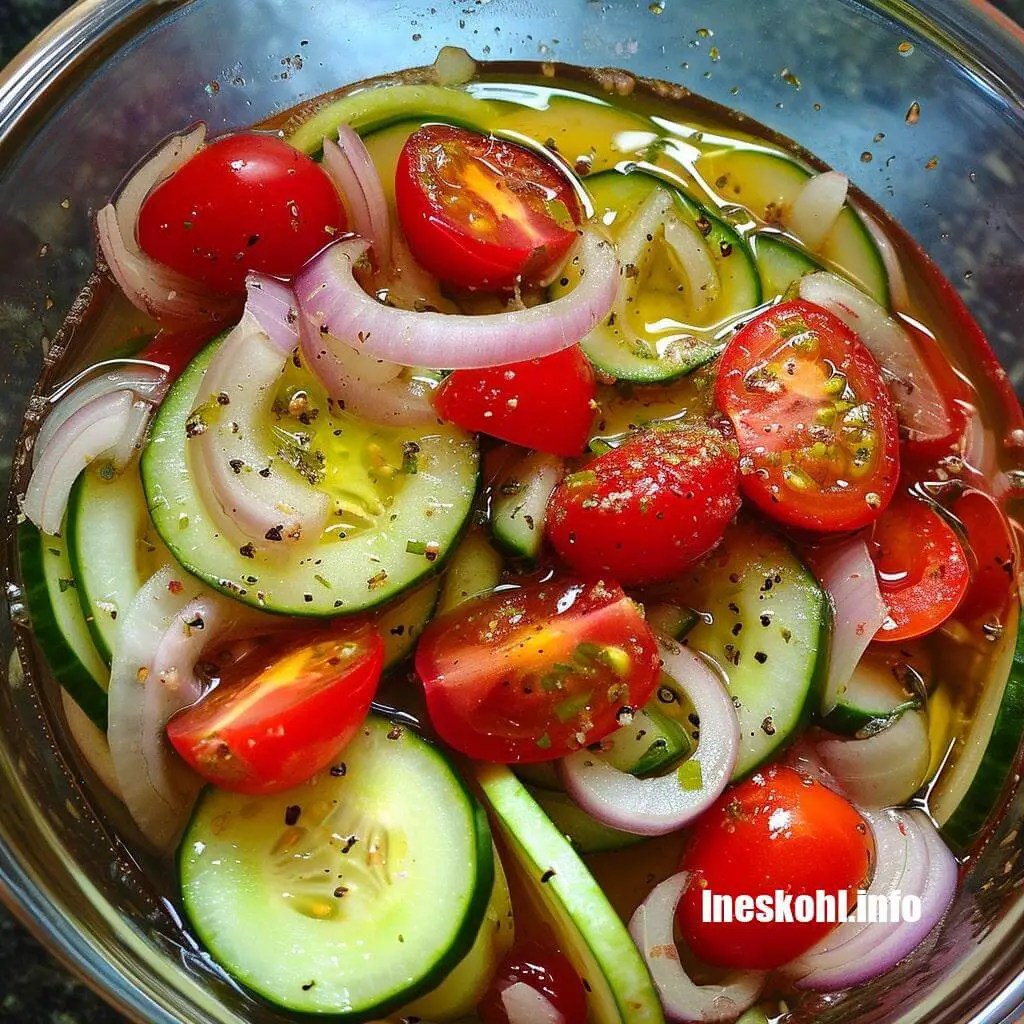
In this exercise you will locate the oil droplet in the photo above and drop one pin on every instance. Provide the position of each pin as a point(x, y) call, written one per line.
point(914, 113)
point(705, 33)
point(972, 177)
point(211, 88)
point(714, 54)
point(734, 91)
point(65, 203)
point(878, 136)
point(905, 49)
point(968, 275)
point(866, 157)
point(817, 106)
point(789, 78)
point(658, 7)
point(932, 164)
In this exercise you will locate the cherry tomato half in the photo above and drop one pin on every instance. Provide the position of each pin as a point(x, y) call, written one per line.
point(992, 554)
point(922, 570)
point(778, 830)
point(646, 510)
point(481, 213)
point(247, 202)
point(536, 672)
point(546, 404)
point(282, 712)
point(548, 972)
point(818, 436)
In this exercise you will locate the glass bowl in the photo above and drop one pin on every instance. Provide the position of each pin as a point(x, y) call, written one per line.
point(113, 77)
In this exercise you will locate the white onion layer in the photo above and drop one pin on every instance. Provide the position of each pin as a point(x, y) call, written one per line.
point(847, 574)
point(814, 212)
point(914, 391)
point(344, 314)
point(899, 294)
point(91, 742)
point(525, 1005)
point(661, 804)
point(653, 930)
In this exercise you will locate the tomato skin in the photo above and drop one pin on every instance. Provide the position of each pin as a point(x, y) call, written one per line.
point(739, 847)
point(536, 672)
point(922, 569)
point(481, 213)
point(772, 386)
point(546, 404)
point(176, 347)
point(993, 555)
point(247, 202)
point(643, 512)
point(282, 713)
point(543, 969)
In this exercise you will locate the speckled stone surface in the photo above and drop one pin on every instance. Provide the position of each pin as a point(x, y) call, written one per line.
point(34, 989)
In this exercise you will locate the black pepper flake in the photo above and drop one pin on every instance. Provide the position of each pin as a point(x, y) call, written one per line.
point(308, 986)
point(265, 473)
point(339, 771)
point(274, 533)
point(395, 732)
point(547, 876)
point(292, 813)
point(248, 551)
point(237, 465)
point(760, 657)
point(340, 891)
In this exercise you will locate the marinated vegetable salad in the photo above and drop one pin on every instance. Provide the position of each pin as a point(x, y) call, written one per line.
point(487, 512)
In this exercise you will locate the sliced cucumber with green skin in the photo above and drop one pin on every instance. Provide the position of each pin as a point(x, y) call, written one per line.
point(395, 545)
point(649, 744)
point(384, 146)
point(765, 621)
point(670, 620)
point(401, 624)
point(586, 834)
point(781, 264)
point(767, 183)
point(588, 930)
point(520, 504)
point(972, 785)
point(351, 895)
point(475, 570)
point(871, 701)
point(624, 346)
point(58, 624)
point(539, 775)
point(114, 548)
point(374, 108)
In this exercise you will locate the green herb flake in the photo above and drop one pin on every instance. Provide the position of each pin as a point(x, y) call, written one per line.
point(64, 584)
point(415, 547)
point(322, 580)
point(690, 776)
point(544, 742)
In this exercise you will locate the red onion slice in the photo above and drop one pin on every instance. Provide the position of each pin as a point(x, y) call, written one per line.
point(166, 629)
point(352, 170)
point(661, 804)
point(525, 1005)
point(921, 866)
point(847, 574)
point(92, 430)
point(814, 212)
point(653, 930)
point(899, 294)
point(259, 498)
point(272, 305)
point(344, 314)
point(915, 394)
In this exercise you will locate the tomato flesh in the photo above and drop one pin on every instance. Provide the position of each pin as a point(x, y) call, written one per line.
point(481, 213)
point(176, 347)
point(816, 426)
point(643, 512)
point(778, 830)
point(246, 202)
point(922, 570)
point(536, 672)
point(545, 404)
point(283, 711)
point(993, 557)
point(543, 969)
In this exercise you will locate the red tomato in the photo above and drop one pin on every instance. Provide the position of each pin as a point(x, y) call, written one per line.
point(922, 569)
point(534, 673)
point(283, 712)
point(546, 404)
point(646, 510)
point(481, 213)
point(245, 202)
point(175, 347)
point(778, 830)
point(819, 447)
point(992, 553)
point(548, 972)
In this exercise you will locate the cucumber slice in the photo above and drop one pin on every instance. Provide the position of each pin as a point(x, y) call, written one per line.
point(586, 834)
point(669, 620)
point(373, 108)
point(384, 146)
point(401, 624)
point(458, 995)
point(973, 782)
point(520, 504)
point(592, 935)
point(691, 328)
point(539, 775)
point(781, 264)
point(475, 569)
point(872, 701)
point(649, 744)
point(399, 514)
point(767, 182)
point(763, 618)
point(114, 548)
point(58, 624)
point(350, 895)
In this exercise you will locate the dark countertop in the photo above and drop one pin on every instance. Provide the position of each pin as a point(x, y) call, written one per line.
point(33, 989)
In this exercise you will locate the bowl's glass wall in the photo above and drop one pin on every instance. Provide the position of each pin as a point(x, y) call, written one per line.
point(955, 179)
